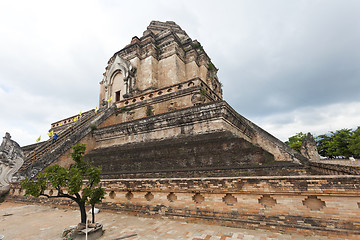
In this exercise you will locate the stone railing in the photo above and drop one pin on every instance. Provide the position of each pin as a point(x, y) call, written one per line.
point(195, 82)
point(47, 146)
point(67, 121)
point(47, 153)
point(334, 169)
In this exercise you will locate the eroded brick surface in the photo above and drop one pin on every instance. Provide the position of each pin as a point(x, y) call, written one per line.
point(323, 204)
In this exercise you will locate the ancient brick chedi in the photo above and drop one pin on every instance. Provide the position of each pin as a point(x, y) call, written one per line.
point(165, 86)
point(168, 144)
point(162, 90)
point(164, 56)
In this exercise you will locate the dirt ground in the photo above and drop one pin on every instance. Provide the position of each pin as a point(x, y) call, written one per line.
point(37, 222)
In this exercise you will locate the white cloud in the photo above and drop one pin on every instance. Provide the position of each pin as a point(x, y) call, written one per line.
point(289, 66)
point(317, 120)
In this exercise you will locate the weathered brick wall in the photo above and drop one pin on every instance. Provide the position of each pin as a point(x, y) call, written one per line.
point(282, 169)
point(205, 118)
point(167, 99)
point(204, 152)
point(327, 205)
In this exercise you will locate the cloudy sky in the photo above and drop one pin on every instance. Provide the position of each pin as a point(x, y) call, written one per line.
point(288, 66)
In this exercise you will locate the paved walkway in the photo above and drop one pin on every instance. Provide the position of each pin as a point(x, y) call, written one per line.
point(34, 222)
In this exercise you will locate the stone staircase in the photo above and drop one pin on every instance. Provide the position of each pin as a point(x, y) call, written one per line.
point(48, 145)
point(48, 152)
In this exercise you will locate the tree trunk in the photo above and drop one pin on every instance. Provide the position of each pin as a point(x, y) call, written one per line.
point(93, 214)
point(82, 211)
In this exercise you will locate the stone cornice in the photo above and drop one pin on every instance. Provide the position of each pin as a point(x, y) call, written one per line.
point(170, 89)
point(186, 116)
point(264, 134)
point(319, 185)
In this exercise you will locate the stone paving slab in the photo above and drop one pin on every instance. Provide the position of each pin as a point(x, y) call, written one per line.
point(37, 222)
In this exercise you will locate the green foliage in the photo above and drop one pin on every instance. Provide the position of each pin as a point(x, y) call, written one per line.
point(196, 45)
point(322, 142)
point(202, 92)
point(335, 143)
point(149, 111)
point(354, 142)
point(96, 196)
point(344, 142)
point(339, 143)
point(93, 127)
point(125, 109)
point(72, 180)
point(211, 66)
point(296, 141)
point(78, 153)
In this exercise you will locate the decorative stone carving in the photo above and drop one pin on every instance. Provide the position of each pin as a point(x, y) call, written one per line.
point(149, 196)
point(314, 203)
point(129, 195)
point(198, 198)
point(11, 159)
point(112, 194)
point(104, 104)
point(212, 79)
point(267, 201)
point(130, 116)
point(309, 149)
point(229, 199)
point(128, 72)
point(171, 197)
point(197, 99)
point(172, 106)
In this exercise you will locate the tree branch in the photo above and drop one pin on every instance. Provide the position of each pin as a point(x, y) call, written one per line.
point(59, 196)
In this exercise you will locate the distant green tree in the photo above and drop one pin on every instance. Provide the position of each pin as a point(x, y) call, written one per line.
point(354, 145)
point(339, 143)
point(70, 180)
point(296, 141)
point(323, 144)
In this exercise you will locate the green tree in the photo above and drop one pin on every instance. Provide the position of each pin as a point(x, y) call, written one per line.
point(95, 196)
point(354, 144)
point(69, 182)
point(323, 144)
point(296, 141)
point(339, 144)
